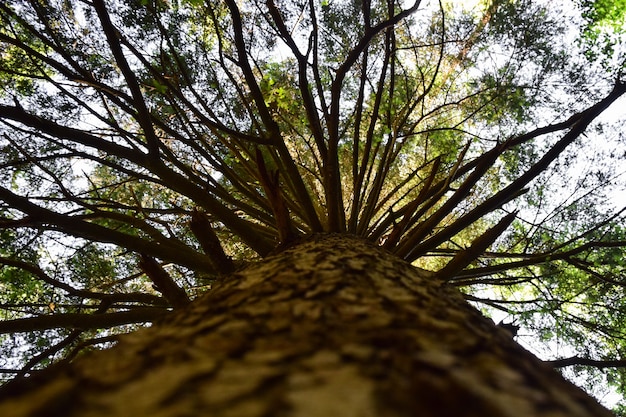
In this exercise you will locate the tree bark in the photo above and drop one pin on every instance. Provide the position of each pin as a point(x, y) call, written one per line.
point(332, 326)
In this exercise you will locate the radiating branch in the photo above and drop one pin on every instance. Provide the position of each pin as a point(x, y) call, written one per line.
point(203, 231)
point(578, 361)
point(143, 116)
point(82, 321)
point(163, 282)
point(135, 297)
point(271, 186)
point(41, 217)
point(466, 256)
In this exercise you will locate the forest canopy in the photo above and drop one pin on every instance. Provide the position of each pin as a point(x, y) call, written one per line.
point(151, 147)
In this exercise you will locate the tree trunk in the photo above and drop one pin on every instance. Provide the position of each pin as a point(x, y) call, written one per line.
point(332, 326)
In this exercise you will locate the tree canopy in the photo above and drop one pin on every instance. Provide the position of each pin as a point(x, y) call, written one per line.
point(150, 147)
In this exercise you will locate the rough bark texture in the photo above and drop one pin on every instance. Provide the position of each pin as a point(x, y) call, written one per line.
point(330, 327)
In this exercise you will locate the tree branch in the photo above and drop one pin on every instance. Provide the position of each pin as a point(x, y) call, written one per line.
point(108, 297)
point(517, 186)
point(576, 360)
point(143, 115)
point(40, 217)
point(82, 321)
point(466, 256)
point(163, 282)
point(203, 231)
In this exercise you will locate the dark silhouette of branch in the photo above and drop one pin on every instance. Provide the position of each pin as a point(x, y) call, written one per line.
point(517, 186)
point(271, 186)
point(143, 115)
point(48, 352)
point(408, 247)
point(163, 282)
point(361, 190)
point(203, 231)
point(51, 350)
point(466, 256)
point(90, 342)
point(409, 210)
point(74, 225)
point(273, 130)
point(535, 259)
point(51, 128)
point(82, 321)
point(576, 360)
point(303, 82)
point(332, 177)
point(166, 175)
point(109, 297)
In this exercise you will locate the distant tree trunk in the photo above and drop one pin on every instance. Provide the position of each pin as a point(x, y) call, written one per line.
point(332, 326)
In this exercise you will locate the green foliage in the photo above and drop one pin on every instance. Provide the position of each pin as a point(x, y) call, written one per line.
point(604, 13)
point(603, 32)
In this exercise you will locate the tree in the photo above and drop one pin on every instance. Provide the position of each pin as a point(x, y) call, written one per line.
point(154, 151)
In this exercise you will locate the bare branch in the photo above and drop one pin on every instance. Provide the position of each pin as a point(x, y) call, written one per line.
point(143, 116)
point(578, 361)
point(82, 321)
point(42, 217)
point(107, 297)
point(271, 185)
point(466, 256)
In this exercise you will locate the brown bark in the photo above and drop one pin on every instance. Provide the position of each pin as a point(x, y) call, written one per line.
point(332, 326)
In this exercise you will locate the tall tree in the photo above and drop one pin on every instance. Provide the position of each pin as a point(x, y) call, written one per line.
point(157, 150)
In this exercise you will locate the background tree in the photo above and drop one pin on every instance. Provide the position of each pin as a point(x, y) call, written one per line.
point(152, 147)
